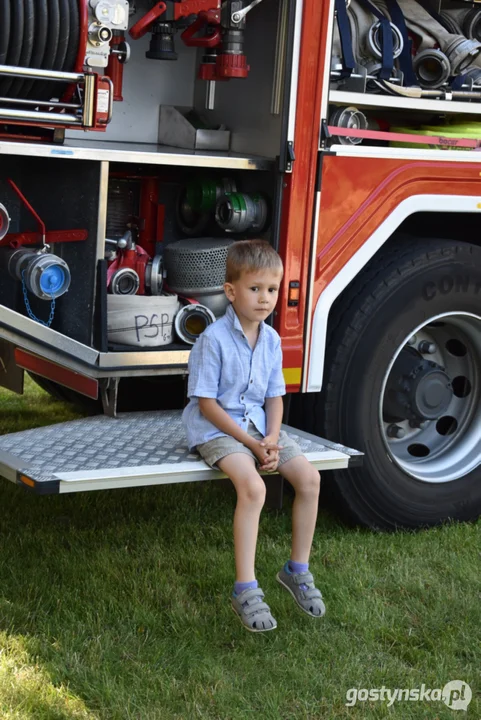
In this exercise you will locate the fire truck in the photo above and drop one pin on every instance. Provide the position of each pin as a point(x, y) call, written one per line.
point(138, 141)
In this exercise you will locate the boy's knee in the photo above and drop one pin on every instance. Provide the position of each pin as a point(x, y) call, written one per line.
point(252, 490)
point(312, 483)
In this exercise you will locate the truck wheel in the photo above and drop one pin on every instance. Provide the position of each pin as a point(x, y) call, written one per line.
point(403, 384)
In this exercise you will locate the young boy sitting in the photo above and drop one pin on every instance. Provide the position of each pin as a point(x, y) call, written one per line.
point(235, 369)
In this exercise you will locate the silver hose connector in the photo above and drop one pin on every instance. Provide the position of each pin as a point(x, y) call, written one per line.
point(4, 221)
point(46, 275)
point(432, 68)
point(237, 212)
point(124, 281)
point(191, 321)
point(350, 118)
point(461, 53)
point(374, 45)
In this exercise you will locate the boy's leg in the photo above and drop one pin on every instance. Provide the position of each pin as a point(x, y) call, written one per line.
point(251, 493)
point(247, 600)
point(306, 482)
point(295, 575)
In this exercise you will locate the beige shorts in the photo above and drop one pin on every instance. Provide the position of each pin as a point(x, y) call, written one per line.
point(218, 448)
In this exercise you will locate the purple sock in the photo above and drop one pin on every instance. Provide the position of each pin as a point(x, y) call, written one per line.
point(297, 567)
point(294, 567)
point(240, 586)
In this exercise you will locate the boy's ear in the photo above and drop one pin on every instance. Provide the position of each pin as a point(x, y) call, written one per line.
point(229, 291)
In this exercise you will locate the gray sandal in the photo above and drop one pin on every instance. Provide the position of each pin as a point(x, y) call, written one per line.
point(254, 614)
point(309, 598)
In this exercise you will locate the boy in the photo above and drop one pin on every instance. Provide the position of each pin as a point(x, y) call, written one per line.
point(235, 368)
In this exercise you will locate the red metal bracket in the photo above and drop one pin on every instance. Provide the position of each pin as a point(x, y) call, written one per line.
point(16, 240)
point(32, 238)
point(22, 197)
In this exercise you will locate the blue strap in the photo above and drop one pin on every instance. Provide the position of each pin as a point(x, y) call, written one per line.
point(458, 82)
point(348, 62)
point(405, 58)
point(386, 40)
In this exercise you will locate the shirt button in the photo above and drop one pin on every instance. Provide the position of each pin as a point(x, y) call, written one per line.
point(242, 397)
point(252, 382)
point(243, 419)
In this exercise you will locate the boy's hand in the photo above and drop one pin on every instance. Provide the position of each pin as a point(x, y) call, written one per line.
point(270, 442)
point(271, 463)
point(263, 451)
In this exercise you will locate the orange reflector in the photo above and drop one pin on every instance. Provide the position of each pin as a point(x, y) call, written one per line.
point(27, 481)
point(294, 293)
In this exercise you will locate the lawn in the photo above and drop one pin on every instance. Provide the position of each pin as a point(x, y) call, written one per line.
point(114, 606)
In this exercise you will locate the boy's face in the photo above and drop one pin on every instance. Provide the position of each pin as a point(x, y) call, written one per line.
point(254, 294)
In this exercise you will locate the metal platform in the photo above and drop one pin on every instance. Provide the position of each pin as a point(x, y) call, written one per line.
point(142, 153)
point(134, 449)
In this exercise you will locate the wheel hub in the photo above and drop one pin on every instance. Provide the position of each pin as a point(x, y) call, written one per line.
point(430, 402)
point(417, 390)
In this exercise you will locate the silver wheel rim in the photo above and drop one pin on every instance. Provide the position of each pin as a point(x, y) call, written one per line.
point(448, 446)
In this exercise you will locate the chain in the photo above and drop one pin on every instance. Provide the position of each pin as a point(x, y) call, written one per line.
point(29, 309)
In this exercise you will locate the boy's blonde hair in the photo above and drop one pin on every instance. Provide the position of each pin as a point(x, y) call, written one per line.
point(250, 256)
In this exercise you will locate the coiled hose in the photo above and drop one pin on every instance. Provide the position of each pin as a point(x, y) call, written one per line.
point(38, 34)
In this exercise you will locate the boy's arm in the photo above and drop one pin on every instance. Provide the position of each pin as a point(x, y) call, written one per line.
point(274, 408)
point(276, 388)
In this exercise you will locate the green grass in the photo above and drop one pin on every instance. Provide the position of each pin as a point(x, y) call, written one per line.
point(114, 606)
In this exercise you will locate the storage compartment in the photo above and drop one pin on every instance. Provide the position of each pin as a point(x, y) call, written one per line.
point(240, 105)
point(50, 247)
point(406, 73)
point(116, 68)
point(168, 234)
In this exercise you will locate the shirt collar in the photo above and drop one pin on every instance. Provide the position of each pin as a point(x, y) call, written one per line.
point(232, 317)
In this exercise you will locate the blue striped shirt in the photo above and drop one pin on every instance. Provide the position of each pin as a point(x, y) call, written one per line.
point(222, 365)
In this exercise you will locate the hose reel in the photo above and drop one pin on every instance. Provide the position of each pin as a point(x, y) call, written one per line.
point(43, 35)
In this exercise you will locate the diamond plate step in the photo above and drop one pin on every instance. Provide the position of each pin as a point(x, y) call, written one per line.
point(133, 449)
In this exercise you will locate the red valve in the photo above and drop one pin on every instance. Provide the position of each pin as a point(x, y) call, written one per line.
point(143, 25)
point(195, 7)
point(231, 66)
point(209, 41)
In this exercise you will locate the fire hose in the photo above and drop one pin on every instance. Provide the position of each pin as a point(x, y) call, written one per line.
point(41, 34)
point(441, 53)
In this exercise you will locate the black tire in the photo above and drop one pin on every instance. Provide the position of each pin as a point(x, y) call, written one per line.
point(405, 285)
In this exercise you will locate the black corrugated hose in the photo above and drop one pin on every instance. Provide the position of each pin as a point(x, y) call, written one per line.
point(38, 34)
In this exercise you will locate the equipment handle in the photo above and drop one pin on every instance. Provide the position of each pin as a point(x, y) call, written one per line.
point(209, 41)
point(143, 25)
